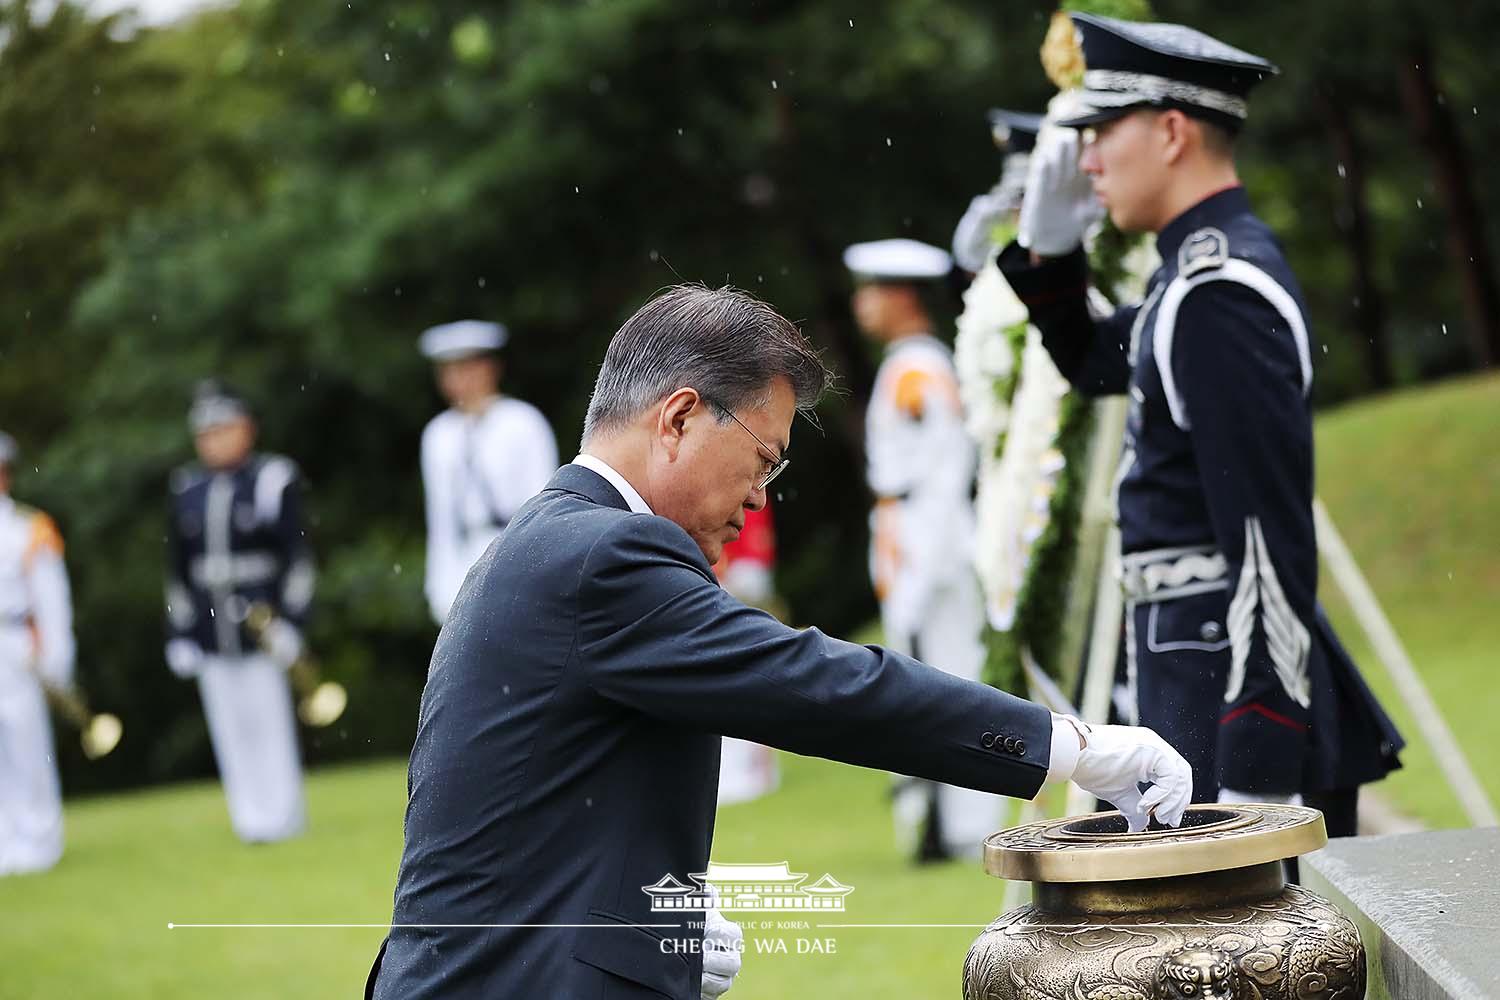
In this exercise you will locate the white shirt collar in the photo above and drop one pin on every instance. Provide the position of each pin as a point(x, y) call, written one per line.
point(616, 480)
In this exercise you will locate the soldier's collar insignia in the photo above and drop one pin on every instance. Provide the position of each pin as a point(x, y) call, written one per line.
point(1203, 250)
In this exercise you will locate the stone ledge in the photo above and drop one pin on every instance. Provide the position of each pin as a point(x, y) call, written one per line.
point(1427, 906)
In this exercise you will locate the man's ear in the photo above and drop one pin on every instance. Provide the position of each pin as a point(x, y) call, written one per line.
point(672, 419)
point(1177, 129)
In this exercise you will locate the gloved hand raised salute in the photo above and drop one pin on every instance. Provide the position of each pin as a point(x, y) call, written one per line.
point(1059, 205)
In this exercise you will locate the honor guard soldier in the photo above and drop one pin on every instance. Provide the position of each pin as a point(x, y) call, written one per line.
point(482, 457)
point(36, 649)
point(236, 549)
point(920, 468)
point(1014, 134)
point(1227, 654)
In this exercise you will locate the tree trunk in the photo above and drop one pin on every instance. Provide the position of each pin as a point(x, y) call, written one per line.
point(1471, 256)
point(1354, 223)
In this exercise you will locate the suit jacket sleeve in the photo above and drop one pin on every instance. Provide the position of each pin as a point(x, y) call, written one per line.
point(657, 634)
point(1092, 354)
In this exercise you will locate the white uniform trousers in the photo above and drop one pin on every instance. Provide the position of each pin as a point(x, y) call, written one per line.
point(746, 771)
point(31, 816)
point(949, 638)
point(248, 704)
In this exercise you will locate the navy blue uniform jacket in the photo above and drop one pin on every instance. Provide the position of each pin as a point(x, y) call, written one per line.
point(567, 752)
point(1218, 459)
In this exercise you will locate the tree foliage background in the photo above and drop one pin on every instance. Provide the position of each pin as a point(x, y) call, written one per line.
point(284, 194)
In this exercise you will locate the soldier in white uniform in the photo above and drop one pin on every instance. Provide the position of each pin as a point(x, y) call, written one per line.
point(235, 540)
point(481, 458)
point(920, 467)
point(36, 643)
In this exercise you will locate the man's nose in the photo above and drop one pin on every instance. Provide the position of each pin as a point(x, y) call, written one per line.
point(1088, 159)
point(756, 500)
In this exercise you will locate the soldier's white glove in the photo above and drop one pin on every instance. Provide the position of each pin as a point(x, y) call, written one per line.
point(184, 657)
point(282, 641)
point(1115, 759)
point(722, 943)
point(973, 237)
point(1059, 205)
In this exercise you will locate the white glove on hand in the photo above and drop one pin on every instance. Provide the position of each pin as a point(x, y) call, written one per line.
point(283, 642)
point(722, 943)
point(184, 657)
point(1117, 758)
point(1059, 205)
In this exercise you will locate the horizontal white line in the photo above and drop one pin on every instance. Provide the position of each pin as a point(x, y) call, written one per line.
point(177, 927)
point(1029, 925)
point(821, 926)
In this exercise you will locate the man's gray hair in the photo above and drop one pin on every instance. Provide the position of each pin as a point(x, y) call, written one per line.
point(723, 342)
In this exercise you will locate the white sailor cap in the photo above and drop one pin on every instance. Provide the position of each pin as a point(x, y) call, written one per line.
point(897, 260)
point(214, 404)
point(9, 451)
point(462, 339)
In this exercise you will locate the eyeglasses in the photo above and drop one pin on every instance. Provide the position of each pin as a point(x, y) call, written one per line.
point(776, 465)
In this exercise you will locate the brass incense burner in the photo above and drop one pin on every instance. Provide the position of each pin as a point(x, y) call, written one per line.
point(1200, 911)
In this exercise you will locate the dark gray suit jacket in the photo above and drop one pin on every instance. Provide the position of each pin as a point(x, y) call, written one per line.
point(567, 752)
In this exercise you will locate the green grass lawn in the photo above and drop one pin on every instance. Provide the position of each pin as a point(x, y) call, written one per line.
point(1413, 483)
point(97, 925)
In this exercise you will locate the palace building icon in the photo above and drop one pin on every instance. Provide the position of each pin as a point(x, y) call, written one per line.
point(748, 887)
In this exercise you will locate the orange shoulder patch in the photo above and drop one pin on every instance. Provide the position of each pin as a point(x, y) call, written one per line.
point(44, 537)
point(911, 392)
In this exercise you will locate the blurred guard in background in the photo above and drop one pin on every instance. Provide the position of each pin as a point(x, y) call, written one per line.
point(481, 458)
point(920, 467)
point(36, 646)
point(235, 540)
point(748, 770)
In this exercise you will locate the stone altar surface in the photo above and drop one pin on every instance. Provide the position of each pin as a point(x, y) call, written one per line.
point(1427, 906)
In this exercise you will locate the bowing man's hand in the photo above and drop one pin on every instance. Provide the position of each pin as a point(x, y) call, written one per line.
point(722, 942)
point(1111, 761)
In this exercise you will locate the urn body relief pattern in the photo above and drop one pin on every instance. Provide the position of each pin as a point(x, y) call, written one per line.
point(1237, 932)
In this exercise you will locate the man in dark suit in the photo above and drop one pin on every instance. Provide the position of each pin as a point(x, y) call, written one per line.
point(567, 750)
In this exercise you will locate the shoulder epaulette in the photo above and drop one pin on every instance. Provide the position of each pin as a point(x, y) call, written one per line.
point(1204, 250)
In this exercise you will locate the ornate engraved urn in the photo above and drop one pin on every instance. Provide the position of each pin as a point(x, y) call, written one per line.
point(1200, 911)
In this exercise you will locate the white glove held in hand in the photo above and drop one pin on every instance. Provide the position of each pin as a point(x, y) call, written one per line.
point(1117, 758)
point(722, 943)
point(1059, 205)
point(283, 642)
point(184, 657)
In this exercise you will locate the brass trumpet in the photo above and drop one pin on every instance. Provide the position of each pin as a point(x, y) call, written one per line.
point(99, 732)
point(319, 702)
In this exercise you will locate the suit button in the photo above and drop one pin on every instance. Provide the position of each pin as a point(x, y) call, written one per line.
point(1010, 744)
point(1020, 747)
point(1211, 631)
point(987, 740)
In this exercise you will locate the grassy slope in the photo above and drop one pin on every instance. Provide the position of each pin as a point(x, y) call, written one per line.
point(1413, 482)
